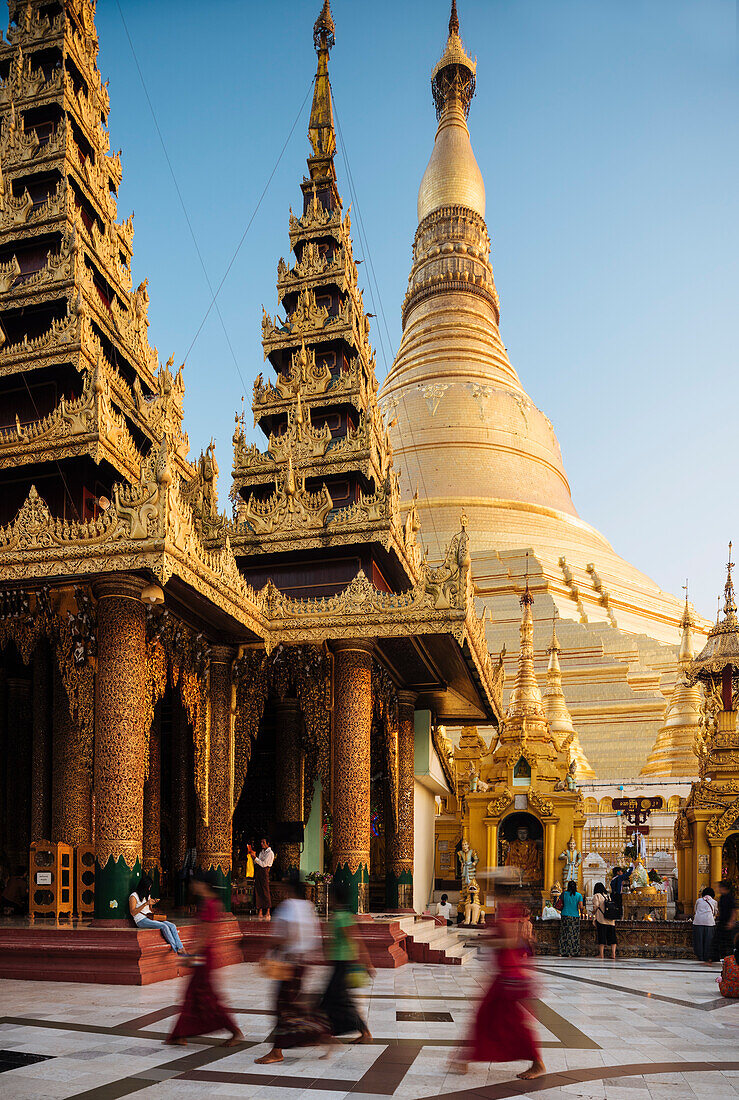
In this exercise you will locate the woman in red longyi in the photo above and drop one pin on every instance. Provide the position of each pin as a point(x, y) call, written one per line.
point(503, 1029)
point(202, 1011)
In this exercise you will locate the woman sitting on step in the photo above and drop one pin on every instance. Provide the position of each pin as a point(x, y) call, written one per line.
point(140, 903)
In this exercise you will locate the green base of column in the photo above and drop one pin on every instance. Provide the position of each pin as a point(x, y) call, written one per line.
point(221, 881)
point(356, 884)
point(113, 884)
point(399, 890)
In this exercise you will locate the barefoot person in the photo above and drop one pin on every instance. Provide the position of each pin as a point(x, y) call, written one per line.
point(202, 1011)
point(502, 1031)
point(347, 950)
point(263, 860)
point(296, 942)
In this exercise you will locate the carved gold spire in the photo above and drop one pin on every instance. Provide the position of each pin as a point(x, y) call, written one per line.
point(558, 715)
point(526, 698)
point(673, 750)
point(321, 125)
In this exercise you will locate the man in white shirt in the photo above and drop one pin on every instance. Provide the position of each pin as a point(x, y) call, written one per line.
point(444, 909)
point(262, 863)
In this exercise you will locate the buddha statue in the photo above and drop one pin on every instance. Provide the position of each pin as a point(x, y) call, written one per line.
point(524, 854)
point(638, 879)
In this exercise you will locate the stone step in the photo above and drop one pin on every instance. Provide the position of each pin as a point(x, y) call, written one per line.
point(436, 943)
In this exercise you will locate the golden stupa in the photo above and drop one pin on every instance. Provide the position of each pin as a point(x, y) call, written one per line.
point(467, 436)
point(673, 753)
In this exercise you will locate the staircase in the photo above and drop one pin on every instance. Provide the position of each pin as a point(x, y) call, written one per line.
point(429, 942)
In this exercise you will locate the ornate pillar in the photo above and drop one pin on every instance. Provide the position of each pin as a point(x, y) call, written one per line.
point(180, 801)
point(214, 839)
point(351, 772)
point(717, 851)
point(18, 773)
point(550, 876)
point(290, 769)
point(71, 818)
point(491, 832)
point(151, 846)
point(399, 853)
point(41, 747)
point(120, 691)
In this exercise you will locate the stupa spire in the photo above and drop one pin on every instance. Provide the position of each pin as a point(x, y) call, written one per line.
point(729, 596)
point(558, 714)
point(525, 697)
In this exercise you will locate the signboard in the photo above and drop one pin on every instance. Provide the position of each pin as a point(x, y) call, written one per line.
point(641, 804)
point(43, 878)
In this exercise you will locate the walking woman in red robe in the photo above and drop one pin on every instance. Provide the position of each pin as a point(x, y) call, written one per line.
point(202, 1011)
point(503, 1029)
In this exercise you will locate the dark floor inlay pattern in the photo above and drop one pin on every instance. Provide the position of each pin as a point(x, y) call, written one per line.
point(14, 1059)
point(425, 1017)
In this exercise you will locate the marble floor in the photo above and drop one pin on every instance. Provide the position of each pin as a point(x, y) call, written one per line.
point(637, 1030)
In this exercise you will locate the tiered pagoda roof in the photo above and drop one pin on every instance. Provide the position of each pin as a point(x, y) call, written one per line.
point(326, 479)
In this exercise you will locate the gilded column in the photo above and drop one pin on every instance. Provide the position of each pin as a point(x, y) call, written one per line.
point(351, 771)
point(716, 860)
point(152, 855)
point(41, 748)
point(120, 687)
point(549, 845)
point(214, 839)
point(290, 767)
point(491, 832)
point(180, 796)
point(399, 857)
point(18, 774)
point(71, 788)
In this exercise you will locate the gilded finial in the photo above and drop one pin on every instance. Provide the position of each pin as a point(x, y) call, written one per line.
point(527, 599)
point(729, 599)
point(324, 30)
point(454, 19)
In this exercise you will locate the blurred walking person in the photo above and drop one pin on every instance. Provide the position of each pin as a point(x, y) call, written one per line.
point(503, 1029)
point(202, 1010)
point(725, 931)
point(296, 938)
point(350, 958)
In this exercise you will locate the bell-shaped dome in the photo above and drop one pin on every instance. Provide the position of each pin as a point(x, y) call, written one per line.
point(452, 176)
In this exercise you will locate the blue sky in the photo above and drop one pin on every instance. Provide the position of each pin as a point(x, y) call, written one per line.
point(607, 135)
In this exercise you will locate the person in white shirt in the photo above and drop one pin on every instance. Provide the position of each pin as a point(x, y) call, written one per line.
point(444, 908)
point(262, 863)
point(296, 937)
point(140, 903)
point(704, 924)
point(549, 912)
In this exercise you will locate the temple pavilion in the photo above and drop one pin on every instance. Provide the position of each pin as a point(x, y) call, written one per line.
point(173, 677)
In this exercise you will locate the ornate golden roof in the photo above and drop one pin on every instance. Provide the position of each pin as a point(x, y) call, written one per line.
point(722, 646)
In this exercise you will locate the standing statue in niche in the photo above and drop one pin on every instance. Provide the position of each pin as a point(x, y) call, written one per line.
point(468, 860)
point(572, 860)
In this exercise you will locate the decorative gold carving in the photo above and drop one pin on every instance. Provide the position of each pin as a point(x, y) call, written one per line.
point(718, 827)
point(120, 750)
point(497, 805)
point(214, 827)
point(351, 781)
point(542, 806)
point(401, 842)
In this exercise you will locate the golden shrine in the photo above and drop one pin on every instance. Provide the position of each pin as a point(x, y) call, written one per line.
point(707, 827)
point(172, 677)
point(518, 803)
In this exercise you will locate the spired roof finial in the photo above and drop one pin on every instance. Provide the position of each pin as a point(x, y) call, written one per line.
point(454, 19)
point(729, 598)
point(324, 30)
point(454, 74)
